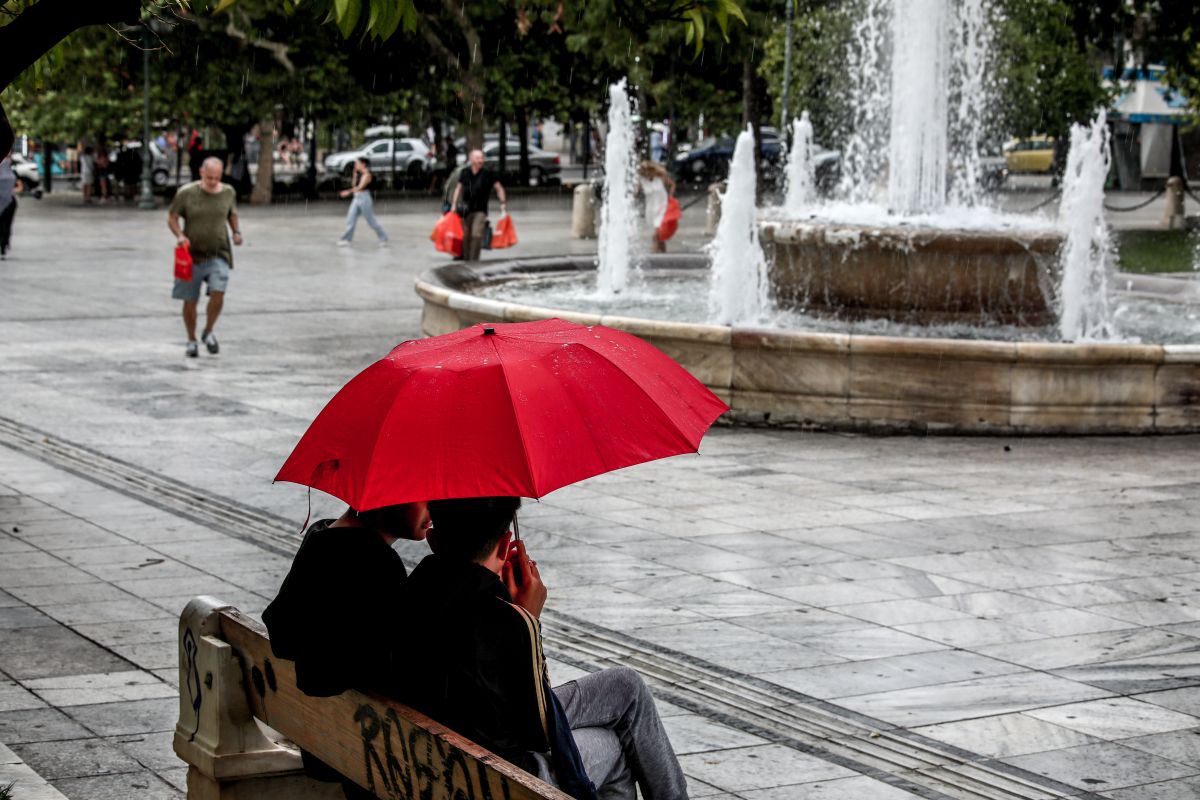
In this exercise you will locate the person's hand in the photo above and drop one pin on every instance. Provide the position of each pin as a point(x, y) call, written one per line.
point(237, 239)
point(531, 594)
point(344, 193)
point(183, 241)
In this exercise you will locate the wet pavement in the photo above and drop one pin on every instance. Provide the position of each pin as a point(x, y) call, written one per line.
point(821, 615)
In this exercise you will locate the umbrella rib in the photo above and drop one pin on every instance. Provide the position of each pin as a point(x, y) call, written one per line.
point(674, 425)
point(517, 419)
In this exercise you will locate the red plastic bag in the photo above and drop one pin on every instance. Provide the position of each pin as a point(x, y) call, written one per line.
point(183, 263)
point(505, 234)
point(447, 235)
point(670, 220)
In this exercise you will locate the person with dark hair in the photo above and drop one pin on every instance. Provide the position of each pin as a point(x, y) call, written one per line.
point(471, 609)
point(10, 187)
point(339, 596)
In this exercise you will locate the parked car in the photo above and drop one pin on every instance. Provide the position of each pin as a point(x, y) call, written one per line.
point(543, 165)
point(384, 131)
point(1033, 155)
point(163, 166)
point(708, 161)
point(412, 158)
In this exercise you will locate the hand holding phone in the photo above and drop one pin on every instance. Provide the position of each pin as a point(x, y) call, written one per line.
point(523, 580)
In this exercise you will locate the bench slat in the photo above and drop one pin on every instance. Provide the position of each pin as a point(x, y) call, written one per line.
point(383, 746)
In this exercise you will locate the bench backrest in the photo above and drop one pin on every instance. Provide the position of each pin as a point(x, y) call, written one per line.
point(383, 746)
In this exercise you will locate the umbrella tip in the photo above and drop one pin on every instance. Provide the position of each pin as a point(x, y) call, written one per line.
point(489, 330)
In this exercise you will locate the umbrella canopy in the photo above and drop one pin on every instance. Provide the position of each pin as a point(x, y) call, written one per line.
point(517, 409)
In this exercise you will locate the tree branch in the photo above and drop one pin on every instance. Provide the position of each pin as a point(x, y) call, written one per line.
point(278, 50)
point(44, 24)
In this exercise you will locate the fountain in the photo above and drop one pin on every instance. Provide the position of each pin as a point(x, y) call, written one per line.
point(618, 214)
point(904, 303)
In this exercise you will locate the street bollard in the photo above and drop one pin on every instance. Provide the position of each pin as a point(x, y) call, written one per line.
point(1173, 210)
point(715, 190)
point(583, 211)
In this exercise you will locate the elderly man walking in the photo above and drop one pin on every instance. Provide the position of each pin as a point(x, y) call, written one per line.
point(206, 206)
point(475, 185)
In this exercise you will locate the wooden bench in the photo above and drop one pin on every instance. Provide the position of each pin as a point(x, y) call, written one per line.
point(242, 720)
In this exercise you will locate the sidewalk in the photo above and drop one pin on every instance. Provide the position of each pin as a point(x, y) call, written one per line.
point(822, 615)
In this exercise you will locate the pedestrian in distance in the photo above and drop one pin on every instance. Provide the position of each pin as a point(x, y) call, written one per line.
point(206, 206)
point(657, 187)
point(87, 174)
point(475, 185)
point(10, 187)
point(361, 204)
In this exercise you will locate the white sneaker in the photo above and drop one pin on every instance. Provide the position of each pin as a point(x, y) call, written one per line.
point(342, 243)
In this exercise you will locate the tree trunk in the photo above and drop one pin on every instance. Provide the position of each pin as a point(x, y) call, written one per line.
point(265, 179)
point(503, 145)
point(523, 144)
point(750, 116)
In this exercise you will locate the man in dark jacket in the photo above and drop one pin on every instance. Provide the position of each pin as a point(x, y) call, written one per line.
point(471, 610)
point(342, 591)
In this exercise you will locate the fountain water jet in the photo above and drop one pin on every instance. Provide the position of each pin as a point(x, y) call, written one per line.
point(801, 178)
point(739, 289)
point(618, 215)
point(1084, 313)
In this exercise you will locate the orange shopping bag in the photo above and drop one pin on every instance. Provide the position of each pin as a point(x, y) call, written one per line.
point(504, 235)
point(670, 220)
point(447, 235)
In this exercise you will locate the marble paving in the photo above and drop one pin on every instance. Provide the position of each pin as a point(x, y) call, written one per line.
point(1029, 603)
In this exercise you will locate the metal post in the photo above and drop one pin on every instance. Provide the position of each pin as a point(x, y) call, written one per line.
point(146, 200)
point(787, 69)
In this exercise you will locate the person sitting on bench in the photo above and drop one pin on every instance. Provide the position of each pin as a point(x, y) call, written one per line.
point(471, 611)
point(337, 598)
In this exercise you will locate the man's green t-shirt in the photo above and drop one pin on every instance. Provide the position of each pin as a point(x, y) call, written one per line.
point(205, 217)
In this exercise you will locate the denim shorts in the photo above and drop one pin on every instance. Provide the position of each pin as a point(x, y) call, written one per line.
point(215, 272)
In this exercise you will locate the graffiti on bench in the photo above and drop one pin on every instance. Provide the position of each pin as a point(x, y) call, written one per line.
point(413, 766)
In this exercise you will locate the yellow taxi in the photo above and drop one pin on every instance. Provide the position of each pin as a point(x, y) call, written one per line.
point(1035, 154)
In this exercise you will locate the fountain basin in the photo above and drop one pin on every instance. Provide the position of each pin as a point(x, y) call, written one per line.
point(857, 382)
point(914, 274)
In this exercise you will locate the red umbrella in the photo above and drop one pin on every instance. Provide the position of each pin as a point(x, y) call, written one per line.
point(515, 409)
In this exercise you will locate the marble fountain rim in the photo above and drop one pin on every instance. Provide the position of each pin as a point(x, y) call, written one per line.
point(872, 382)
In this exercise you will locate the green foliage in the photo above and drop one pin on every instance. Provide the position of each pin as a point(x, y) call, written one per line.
point(1048, 78)
point(819, 84)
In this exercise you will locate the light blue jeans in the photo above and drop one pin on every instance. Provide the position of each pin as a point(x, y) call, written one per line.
point(361, 204)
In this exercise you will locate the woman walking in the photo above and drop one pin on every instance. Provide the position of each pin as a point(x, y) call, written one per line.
point(657, 189)
point(361, 204)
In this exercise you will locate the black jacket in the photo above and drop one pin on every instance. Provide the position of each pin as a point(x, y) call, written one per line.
point(336, 608)
point(477, 664)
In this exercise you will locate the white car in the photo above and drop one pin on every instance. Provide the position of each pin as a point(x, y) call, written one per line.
point(27, 170)
point(412, 158)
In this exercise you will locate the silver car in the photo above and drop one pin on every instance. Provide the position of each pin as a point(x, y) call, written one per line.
point(544, 166)
point(412, 158)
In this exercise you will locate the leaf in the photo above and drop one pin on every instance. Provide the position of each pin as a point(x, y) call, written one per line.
point(348, 12)
point(696, 27)
point(222, 5)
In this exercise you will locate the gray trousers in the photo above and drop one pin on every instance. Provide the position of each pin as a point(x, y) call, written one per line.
point(362, 205)
point(620, 737)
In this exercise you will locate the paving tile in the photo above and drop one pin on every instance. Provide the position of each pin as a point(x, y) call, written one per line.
point(54, 650)
point(70, 593)
point(1185, 700)
point(1006, 735)
point(970, 699)
point(106, 611)
point(860, 787)
point(1092, 648)
point(1182, 745)
point(15, 697)
point(899, 612)
point(1102, 767)
point(15, 617)
point(1116, 718)
point(887, 674)
point(129, 717)
point(109, 687)
point(691, 733)
point(1182, 789)
point(75, 758)
point(871, 643)
point(1137, 675)
point(970, 633)
point(144, 785)
point(151, 750)
point(39, 725)
point(759, 767)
